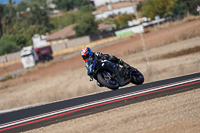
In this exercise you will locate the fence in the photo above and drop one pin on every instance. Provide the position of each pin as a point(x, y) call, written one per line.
point(10, 57)
point(59, 49)
point(62, 44)
point(102, 35)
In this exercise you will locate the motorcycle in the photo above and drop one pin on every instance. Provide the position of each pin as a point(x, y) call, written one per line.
point(112, 75)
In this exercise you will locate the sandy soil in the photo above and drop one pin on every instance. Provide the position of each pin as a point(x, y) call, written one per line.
point(178, 113)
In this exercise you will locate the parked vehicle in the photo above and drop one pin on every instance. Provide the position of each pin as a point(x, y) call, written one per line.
point(44, 53)
point(111, 75)
point(29, 57)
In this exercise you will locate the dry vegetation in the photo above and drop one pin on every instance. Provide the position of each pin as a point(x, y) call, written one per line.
point(168, 33)
point(67, 78)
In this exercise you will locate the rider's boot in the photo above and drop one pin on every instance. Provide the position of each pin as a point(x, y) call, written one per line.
point(127, 66)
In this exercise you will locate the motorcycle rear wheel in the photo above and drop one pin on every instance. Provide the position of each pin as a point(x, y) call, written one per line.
point(104, 82)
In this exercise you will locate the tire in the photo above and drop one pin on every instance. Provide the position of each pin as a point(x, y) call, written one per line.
point(137, 78)
point(49, 57)
point(103, 81)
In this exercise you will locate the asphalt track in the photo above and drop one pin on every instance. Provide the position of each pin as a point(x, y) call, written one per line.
point(45, 115)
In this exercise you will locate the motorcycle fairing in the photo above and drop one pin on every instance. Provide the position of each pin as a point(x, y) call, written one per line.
point(114, 68)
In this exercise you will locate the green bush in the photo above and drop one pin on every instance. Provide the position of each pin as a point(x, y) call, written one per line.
point(152, 8)
point(120, 20)
point(7, 46)
point(19, 39)
point(86, 24)
point(63, 21)
point(180, 8)
point(87, 8)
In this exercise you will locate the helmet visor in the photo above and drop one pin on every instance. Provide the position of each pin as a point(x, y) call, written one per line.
point(85, 56)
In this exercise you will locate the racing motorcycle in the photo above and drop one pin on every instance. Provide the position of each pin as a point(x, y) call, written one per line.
point(112, 75)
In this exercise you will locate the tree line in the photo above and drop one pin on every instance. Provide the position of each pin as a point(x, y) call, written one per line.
point(165, 8)
point(19, 22)
point(18, 25)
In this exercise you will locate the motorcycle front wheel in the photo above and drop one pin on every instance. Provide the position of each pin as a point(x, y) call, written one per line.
point(106, 79)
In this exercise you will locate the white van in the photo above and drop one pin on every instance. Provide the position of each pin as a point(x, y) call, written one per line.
point(28, 57)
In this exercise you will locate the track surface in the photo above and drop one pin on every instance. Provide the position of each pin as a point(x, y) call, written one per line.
point(44, 115)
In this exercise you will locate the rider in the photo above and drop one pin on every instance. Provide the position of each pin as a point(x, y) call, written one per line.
point(87, 53)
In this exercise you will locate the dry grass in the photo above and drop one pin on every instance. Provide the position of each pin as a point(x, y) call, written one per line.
point(76, 83)
point(178, 53)
point(167, 33)
point(68, 81)
point(155, 73)
point(170, 24)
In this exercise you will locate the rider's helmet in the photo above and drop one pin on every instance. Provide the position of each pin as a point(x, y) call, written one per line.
point(86, 53)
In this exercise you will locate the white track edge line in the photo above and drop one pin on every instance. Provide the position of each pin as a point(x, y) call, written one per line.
point(91, 103)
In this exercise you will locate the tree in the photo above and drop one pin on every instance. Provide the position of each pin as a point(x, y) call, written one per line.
point(184, 6)
point(64, 4)
point(69, 4)
point(81, 3)
point(7, 46)
point(19, 39)
point(38, 16)
point(86, 24)
point(123, 19)
point(192, 6)
point(139, 6)
point(18, 33)
point(162, 8)
point(5, 9)
point(87, 8)
point(31, 31)
point(60, 22)
point(41, 3)
point(12, 11)
point(1, 16)
point(7, 25)
point(8, 18)
point(120, 20)
point(22, 6)
point(180, 7)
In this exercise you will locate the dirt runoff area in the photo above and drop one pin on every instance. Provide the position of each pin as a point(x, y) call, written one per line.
point(179, 113)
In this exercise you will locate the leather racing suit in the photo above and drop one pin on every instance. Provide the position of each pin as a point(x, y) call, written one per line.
point(114, 59)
